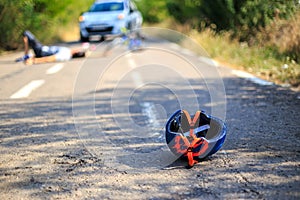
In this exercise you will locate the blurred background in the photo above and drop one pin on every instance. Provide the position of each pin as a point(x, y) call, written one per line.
point(258, 36)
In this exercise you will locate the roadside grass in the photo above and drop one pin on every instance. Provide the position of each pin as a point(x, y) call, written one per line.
point(266, 58)
point(262, 61)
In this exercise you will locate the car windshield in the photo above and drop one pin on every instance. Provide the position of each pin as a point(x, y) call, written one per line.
point(104, 7)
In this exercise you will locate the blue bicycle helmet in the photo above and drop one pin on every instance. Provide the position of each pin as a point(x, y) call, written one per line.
point(194, 138)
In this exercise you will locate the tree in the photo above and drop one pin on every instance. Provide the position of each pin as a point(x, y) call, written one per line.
point(42, 17)
point(153, 11)
point(244, 17)
point(184, 11)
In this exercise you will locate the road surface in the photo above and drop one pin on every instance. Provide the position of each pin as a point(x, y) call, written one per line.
point(93, 128)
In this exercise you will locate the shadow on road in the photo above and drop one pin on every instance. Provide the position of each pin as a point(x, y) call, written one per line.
point(42, 155)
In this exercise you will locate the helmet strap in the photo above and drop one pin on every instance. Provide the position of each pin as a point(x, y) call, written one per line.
point(195, 140)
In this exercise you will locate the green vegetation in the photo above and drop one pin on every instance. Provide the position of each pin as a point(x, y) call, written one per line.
point(262, 61)
point(262, 37)
point(153, 11)
point(46, 19)
point(243, 17)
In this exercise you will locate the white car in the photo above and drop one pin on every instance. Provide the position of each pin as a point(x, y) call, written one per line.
point(109, 18)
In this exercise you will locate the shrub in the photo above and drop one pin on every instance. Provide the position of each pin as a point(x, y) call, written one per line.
point(244, 17)
point(285, 35)
point(44, 18)
point(153, 11)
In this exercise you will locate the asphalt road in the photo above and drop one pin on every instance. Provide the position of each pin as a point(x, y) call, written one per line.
point(94, 128)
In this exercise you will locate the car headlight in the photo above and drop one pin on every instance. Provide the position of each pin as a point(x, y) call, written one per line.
point(121, 16)
point(81, 18)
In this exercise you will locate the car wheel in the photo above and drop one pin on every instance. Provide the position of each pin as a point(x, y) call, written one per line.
point(83, 39)
point(102, 38)
point(129, 27)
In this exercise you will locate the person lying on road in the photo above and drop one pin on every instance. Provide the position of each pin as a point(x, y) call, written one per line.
point(45, 54)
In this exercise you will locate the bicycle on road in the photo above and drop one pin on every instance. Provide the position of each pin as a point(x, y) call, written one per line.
point(133, 41)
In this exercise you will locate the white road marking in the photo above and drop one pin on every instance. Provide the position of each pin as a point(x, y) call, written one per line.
point(148, 108)
point(138, 82)
point(208, 61)
point(27, 89)
point(187, 52)
point(132, 63)
point(149, 111)
point(56, 68)
point(250, 77)
point(175, 46)
point(135, 75)
point(191, 53)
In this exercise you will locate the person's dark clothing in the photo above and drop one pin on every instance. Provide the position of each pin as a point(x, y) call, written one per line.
point(39, 49)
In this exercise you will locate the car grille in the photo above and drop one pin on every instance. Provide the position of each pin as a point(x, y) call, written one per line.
point(99, 30)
